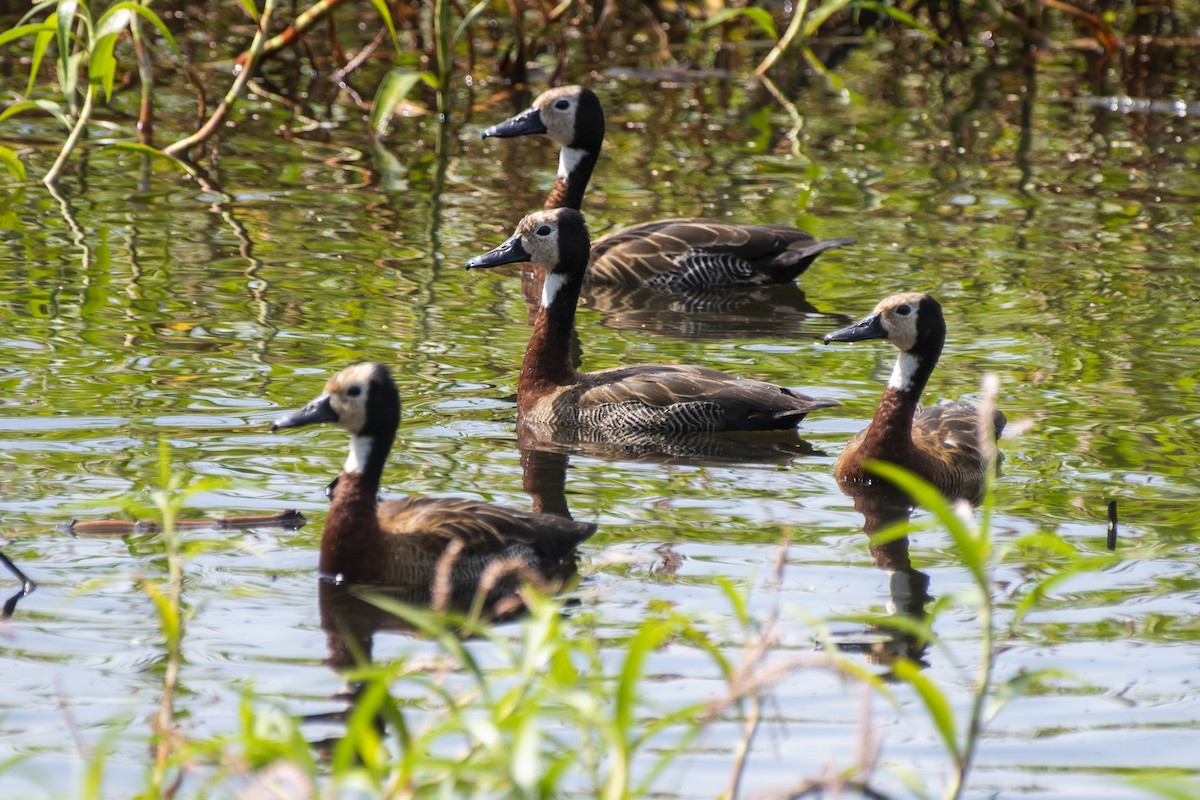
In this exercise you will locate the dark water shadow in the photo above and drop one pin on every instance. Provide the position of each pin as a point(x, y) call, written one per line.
point(908, 589)
point(780, 310)
point(725, 448)
point(27, 588)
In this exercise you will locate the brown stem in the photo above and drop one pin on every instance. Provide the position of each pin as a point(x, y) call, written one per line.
point(293, 32)
point(235, 91)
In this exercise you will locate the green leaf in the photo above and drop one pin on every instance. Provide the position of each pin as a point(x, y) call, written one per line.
point(382, 7)
point(467, 20)
point(250, 8)
point(935, 702)
point(1020, 685)
point(39, 51)
point(146, 14)
point(973, 549)
point(12, 163)
point(64, 18)
point(38, 9)
point(820, 14)
point(138, 147)
point(648, 638)
point(759, 16)
point(394, 87)
point(25, 30)
point(903, 17)
point(53, 109)
point(1170, 787)
point(526, 759)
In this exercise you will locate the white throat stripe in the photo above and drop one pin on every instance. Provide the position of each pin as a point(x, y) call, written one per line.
point(902, 374)
point(551, 287)
point(568, 160)
point(360, 451)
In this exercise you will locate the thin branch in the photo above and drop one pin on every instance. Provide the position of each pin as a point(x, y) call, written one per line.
point(293, 32)
point(235, 91)
point(85, 114)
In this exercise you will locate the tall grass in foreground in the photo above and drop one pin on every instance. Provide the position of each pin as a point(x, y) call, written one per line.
point(554, 710)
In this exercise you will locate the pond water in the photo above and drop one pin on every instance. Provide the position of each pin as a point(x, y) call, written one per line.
point(1059, 235)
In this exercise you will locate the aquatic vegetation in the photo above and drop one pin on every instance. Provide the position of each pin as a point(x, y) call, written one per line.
point(446, 48)
point(539, 706)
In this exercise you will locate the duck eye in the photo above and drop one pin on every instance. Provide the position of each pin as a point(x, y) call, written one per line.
point(543, 231)
point(354, 391)
point(903, 310)
point(562, 105)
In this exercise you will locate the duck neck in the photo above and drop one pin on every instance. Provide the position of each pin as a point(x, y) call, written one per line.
point(548, 362)
point(352, 527)
point(891, 427)
point(575, 167)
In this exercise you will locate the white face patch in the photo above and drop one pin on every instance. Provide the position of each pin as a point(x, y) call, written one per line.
point(360, 451)
point(568, 160)
point(902, 374)
point(551, 287)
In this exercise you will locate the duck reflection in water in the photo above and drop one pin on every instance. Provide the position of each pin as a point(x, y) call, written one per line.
point(882, 508)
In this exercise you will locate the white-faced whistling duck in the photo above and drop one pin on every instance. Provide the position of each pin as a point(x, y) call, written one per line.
point(400, 541)
point(670, 254)
point(663, 398)
point(939, 443)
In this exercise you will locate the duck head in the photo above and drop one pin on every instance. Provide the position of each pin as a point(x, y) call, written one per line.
point(556, 240)
point(361, 400)
point(911, 321)
point(570, 115)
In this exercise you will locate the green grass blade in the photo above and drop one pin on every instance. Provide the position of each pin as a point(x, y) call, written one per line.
point(935, 702)
point(759, 16)
point(64, 20)
point(39, 51)
point(37, 9)
point(903, 17)
point(973, 550)
point(250, 8)
point(820, 14)
point(24, 30)
point(394, 87)
point(467, 20)
point(137, 147)
point(12, 163)
point(148, 15)
point(382, 7)
point(53, 109)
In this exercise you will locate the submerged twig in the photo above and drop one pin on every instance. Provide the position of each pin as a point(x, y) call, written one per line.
point(289, 519)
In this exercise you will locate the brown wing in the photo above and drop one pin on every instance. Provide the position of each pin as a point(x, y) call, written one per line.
point(483, 528)
point(689, 254)
point(948, 437)
point(672, 398)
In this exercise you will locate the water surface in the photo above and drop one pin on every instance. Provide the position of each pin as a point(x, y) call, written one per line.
point(1059, 236)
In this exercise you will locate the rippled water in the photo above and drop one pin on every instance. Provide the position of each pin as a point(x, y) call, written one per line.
point(1064, 252)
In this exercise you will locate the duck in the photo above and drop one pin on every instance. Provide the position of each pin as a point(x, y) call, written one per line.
point(400, 542)
point(939, 443)
point(676, 255)
point(654, 398)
